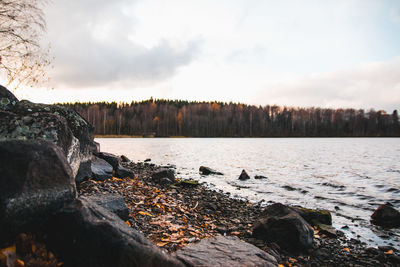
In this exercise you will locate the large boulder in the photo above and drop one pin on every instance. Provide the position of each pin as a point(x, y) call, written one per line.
point(284, 226)
point(7, 99)
point(85, 234)
point(224, 251)
point(386, 215)
point(112, 202)
point(35, 181)
point(60, 125)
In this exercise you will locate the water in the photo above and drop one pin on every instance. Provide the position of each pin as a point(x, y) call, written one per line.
point(350, 177)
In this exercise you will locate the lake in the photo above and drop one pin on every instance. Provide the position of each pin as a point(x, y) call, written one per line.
point(350, 177)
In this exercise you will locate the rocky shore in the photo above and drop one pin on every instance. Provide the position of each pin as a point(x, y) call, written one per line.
point(65, 203)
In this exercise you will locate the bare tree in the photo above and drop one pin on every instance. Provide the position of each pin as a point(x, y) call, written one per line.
point(22, 59)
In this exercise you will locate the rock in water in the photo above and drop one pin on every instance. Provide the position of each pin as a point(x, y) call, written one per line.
point(206, 171)
point(101, 169)
point(387, 216)
point(284, 226)
point(35, 181)
point(224, 251)
point(112, 202)
point(85, 234)
point(244, 176)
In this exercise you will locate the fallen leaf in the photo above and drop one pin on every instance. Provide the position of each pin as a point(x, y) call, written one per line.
point(128, 223)
point(19, 263)
point(235, 233)
point(389, 252)
point(144, 213)
point(281, 265)
point(161, 244)
point(347, 249)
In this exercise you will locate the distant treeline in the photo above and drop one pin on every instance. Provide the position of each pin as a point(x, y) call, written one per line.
point(216, 119)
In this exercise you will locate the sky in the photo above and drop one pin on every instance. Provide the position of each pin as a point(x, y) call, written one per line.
point(331, 53)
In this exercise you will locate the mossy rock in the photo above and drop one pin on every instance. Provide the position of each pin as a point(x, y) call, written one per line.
point(314, 216)
point(189, 182)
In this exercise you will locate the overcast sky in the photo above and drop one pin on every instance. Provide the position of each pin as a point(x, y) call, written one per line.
point(333, 53)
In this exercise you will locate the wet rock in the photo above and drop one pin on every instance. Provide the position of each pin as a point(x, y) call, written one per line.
point(206, 171)
point(35, 181)
point(386, 215)
point(244, 176)
point(125, 159)
point(327, 230)
point(92, 236)
point(112, 159)
point(101, 169)
point(224, 251)
point(314, 217)
point(160, 174)
point(284, 226)
point(113, 203)
point(260, 177)
point(122, 172)
point(7, 99)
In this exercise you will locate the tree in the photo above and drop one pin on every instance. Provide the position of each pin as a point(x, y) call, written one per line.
point(22, 59)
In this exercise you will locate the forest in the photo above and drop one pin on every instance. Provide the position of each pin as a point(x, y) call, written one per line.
point(166, 118)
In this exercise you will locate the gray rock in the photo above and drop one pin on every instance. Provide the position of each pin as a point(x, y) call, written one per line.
point(35, 181)
point(206, 171)
point(160, 174)
point(101, 169)
point(60, 125)
point(112, 159)
point(244, 176)
point(260, 177)
point(84, 171)
point(284, 226)
point(386, 215)
point(122, 172)
point(113, 203)
point(224, 251)
point(85, 234)
point(7, 99)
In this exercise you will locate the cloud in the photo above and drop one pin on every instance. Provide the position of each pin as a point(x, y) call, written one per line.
point(371, 85)
point(93, 44)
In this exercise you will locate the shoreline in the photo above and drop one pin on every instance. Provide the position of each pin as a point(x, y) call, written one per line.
point(175, 216)
point(236, 137)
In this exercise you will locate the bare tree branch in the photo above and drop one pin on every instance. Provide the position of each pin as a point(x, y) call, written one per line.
point(22, 59)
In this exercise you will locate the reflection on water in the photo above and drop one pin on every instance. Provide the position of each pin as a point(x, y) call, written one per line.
point(348, 176)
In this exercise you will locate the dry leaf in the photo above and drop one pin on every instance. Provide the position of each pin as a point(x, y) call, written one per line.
point(347, 249)
point(144, 213)
point(281, 265)
point(389, 252)
point(19, 263)
point(128, 223)
point(235, 233)
point(161, 244)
